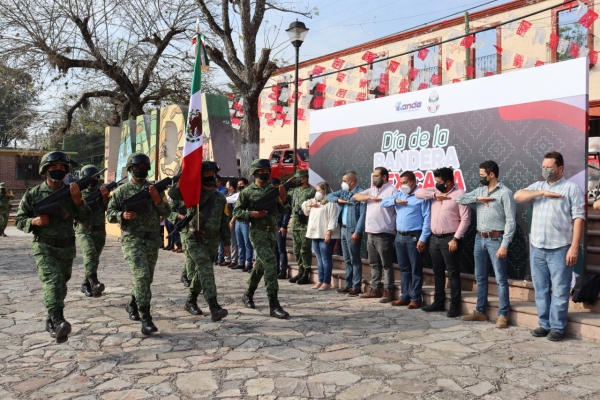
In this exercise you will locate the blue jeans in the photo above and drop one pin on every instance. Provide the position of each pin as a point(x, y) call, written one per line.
point(245, 250)
point(485, 250)
point(281, 253)
point(410, 262)
point(324, 251)
point(352, 259)
point(549, 270)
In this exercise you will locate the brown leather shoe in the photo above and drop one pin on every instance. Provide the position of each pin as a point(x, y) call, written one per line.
point(388, 296)
point(414, 305)
point(343, 290)
point(372, 294)
point(400, 302)
point(354, 292)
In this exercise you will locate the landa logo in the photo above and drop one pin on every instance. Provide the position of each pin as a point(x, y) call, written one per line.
point(408, 107)
point(434, 98)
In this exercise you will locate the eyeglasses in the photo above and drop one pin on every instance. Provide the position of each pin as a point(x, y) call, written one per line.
point(57, 156)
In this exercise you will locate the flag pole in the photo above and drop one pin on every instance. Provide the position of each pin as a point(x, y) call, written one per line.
point(198, 44)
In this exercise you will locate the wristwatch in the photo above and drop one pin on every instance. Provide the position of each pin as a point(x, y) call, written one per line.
point(456, 239)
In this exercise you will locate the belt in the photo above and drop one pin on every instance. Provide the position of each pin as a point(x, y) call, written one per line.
point(411, 234)
point(144, 235)
point(54, 242)
point(265, 228)
point(491, 234)
point(443, 235)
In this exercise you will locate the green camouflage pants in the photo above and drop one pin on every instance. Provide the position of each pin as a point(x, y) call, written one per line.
point(302, 251)
point(54, 270)
point(265, 264)
point(141, 256)
point(203, 278)
point(189, 261)
point(91, 244)
point(3, 222)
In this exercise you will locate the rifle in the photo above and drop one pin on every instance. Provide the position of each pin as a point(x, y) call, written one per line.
point(50, 205)
point(139, 201)
point(182, 224)
point(267, 203)
point(94, 200)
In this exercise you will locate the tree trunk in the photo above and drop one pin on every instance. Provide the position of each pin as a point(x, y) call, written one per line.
point(250, 133)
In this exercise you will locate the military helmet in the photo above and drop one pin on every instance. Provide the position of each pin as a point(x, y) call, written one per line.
point(89, 170)
point(258, 164)
point(301, 173)
point(54, 157)
point(210, 166)
point(137, 158)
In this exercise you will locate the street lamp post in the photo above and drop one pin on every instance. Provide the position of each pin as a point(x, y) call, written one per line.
point(297, 32)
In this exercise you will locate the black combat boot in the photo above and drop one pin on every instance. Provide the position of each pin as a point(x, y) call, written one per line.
point(132, 309)
point(148, 326)
point(61, 327)
point(295, 279)
point(217, 312)
point(50, 326)
point(282, 274)
point(304, 279)
point(191, 305)
point(86, 288)
point(96, 285)
point(184, 279)
point(276, 310)
point(248, 298)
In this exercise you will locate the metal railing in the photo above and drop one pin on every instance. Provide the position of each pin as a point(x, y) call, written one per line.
point(487, 63)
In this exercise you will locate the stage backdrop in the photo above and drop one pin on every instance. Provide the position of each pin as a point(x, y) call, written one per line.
point(513, 119)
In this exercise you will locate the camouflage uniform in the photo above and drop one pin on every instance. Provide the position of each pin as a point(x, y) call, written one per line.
point(302, 245)
point(53, 248)
point(91, 238)
point(177, 204)
point(4, 209)
point(263, 236)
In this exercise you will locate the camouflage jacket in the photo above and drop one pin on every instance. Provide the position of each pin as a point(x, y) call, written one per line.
point(4, 204)
point(247, 197)
point(148, 222)
point(300, 195)
point(217, 227)
point(177, 208)
point(58, 228)
point(96, 218)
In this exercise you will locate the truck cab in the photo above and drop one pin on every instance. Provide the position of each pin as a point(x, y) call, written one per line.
point(282, 161)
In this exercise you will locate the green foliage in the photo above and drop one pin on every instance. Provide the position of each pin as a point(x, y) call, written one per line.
point(17, 101)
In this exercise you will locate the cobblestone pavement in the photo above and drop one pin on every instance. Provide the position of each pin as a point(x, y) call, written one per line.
point(332, 346)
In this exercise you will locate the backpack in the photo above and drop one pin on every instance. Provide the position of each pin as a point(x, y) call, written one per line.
point(586, 289)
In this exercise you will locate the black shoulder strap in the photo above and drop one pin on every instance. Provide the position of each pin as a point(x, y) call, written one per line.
point(209, 206)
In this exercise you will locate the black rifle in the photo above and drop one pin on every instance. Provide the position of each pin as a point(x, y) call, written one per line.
point(94, 200)
point(140, 201)
point(51, 205)
point(267, 202)
point(183, 223)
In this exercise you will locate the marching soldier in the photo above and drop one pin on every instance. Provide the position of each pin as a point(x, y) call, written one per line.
point(92, 237)
point(203, 243)
point(4, 208)
point(140, 236)
point(178, 212)
point(263, 234)
point(301, 192)
point(53, 244)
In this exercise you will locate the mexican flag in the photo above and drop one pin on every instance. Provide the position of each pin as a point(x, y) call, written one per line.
point(191, 166)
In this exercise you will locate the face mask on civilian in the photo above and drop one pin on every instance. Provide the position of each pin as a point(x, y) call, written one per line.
point(345, 187)
point(405, 189)
point(378, 182)
point(440, 186)
point(240, 188)
point(548, 174)
point(57, 175)
point(484, 181)
point(319, 196)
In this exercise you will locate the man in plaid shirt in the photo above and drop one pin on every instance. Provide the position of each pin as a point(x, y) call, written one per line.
point(556, 231)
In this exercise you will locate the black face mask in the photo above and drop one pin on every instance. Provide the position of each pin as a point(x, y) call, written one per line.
point(139, 173)
point(93, 184)
point(263, 177)
point(441, 186)
point(240, 188)
point(209, 181)
point(297, 182)
point(57, 175)
point(484, 181)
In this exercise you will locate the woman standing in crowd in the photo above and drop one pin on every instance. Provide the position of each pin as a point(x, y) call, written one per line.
point(324, 230)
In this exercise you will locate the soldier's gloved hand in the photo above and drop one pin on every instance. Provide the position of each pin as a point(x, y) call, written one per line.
point(227, 251)
point(104, 192)
point(128, 215)
point(258, 214)
point(154, 195)
point(75, 194)
point(41, 220)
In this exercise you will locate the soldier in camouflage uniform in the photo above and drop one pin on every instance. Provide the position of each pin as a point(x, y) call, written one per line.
point(92, 237)
point(302, 245)
point(204, 246)
point(263, 234)
point(140, 236)
point(178, 211)
point(4, 208)
point(53, 245)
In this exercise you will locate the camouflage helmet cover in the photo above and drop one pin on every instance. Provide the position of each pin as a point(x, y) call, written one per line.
point(137, 158)
point(54, 157)
point(301, 173)
point(258, 164)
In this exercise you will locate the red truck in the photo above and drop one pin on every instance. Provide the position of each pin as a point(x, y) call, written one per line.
point(282, 161)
